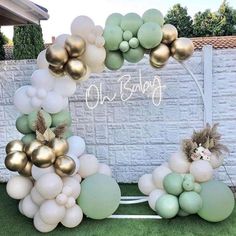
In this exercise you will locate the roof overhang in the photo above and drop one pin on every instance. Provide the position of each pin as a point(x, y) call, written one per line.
point(17, 12)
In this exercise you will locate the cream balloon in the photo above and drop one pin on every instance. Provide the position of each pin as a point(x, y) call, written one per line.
point(29, 207)
point(67, 190)
point(73, 217)
point(65, 86)
point(104, 169)
point(60, 39)
point(145, 184)
point(74, 184)
point(19, 187)
point(76, 145)
point(159, 174)
point(41, 60)
point(154, 196)
point(70, 202)
point(41, 226)
point(20, 206)
point(179, 163)
point(38, 172)
point(65, 103)
point(216, 161)
point(99, 68)
point(36, 196)
point(78, 178)
point(61, 199)
point(88, 165)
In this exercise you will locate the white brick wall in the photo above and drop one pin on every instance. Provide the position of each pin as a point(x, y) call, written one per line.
point(135, 136)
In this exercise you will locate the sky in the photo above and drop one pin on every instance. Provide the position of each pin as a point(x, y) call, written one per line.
point(62, 12)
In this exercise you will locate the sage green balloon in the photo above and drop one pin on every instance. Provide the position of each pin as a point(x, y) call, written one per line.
point(134, 55)
point(127, 35)
point(114, 19)
point(28, 138)
point(173, 184)
point(197, 188)
point(190, 202)
point(32, 118)
point(131, 22)
point(218, 201)
point(113, 36)
point(133, 43)
point(182, 213)
point(153, 15)
point(167, 206)
point(150, 35)
point(188, 185)
point(99, 197)
point(68, 133)
point(189, 177)
point(124, 46)
point(63, 117)
point(22, 125)
point(114, 60)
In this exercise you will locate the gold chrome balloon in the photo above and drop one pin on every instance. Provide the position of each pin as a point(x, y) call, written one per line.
point(59, 146)
point(14, 146)
point(16, 161)
point(64, 165)
point(76, 68)
point(43, 156)
point(56, 55)
point(29, 148)
point(75, 46)
point(26, 171)
point(182, 48)
point(170, 34)
point(159, 55)
point(57, 70)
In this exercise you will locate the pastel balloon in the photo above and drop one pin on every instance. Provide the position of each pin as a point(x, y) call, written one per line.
point(73, 217)
point(173, 184)
point(20, 206)
point(74, 184)
point(145, 184)
point(60, 39)
point(36, 196)
point(65, 86)
point(134, 55)
point(131, 22)
point(22, 125)
point(154, 196)
point(41, 60)
point(99, 42)
point(38, 172)
point(63, 117)
point(70, 202)
point(76, 145)
point(88, 165)
point(98, 68)
point(114, 60)
point(29, 207)
point(104, 169)
point(61, 199)
point(41, 226)
point(216, 160)
point(159, 174)
point(153, 15)
point(179, 163)
point(114, 19)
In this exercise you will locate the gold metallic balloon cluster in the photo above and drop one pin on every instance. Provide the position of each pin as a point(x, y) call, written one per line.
point(179, 48)
point(67, 59)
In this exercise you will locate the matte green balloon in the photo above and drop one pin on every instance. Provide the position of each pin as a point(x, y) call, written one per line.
point(190, 202)
point(28, 138)
point(32, 118)
point(150, 35)
point(68, 133)
point(182, 213)
point(124, 46)
point(114, 19)
point(99, 197)
point(173, 184)
point(133, 43)
point(131, 22)
point(197, 188)
point(167, 206)
point(153, 15)
point(113, 36)
point(134, 55)
point(218, 201)
point(188, 185)
point(63, 117)
point(22, 125)
point(114, 60)
point(127, 35)
point(189, 177)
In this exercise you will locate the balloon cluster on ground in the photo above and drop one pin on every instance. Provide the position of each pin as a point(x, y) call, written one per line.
point(184, 185)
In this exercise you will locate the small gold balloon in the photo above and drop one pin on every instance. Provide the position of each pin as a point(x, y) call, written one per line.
point(43, 156)
point(57, 70)
point(59, 146)
point(170, 33)
point(14, 146)
point(159, 55)
point(75, 46)
point(182, 49)
point(16, 161)
point(76, 68)
point(29, 148)
point(26, 171)
point(64, 165)
point(56, 55)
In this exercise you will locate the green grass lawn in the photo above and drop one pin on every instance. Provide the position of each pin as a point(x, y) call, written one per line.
point(13, 223)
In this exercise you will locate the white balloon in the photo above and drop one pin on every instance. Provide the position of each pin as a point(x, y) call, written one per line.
point(154, 196)
point(65, 103)
point(29, 207)
point(145, 184)
point(78, 178)
point(73, 217)
point(41, 93)
point(104, 169)
point(216, 161)
point(61, 199)
point(67, 190)
point(49, 185)
point(65, 86)
point(53, 103)
point(98, 30)
point(70, 202)
point(179, 163)
point(76, 145)
point(41, 60)
point(36, 196)
point(91, 38)
point(60, 40)
point(51, 212)
point(88, 165)
point(99, 68)
point(100, 42)
point(74, 183)
point(42, 78)
point(36, 103)
point(41, 225)
point(20, 206)
point(159, 174)
point(201, 170)
point(38, 172)
point(19, 187)
point(31, 91)
point(22, 101)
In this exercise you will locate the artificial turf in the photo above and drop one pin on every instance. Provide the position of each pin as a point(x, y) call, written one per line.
point(13, 223)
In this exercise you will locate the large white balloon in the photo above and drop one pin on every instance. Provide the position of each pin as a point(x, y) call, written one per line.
point(216, 161)
point(36, 196)
point(38, 172)
point(41, 225)
point(145, 184)
point(65, 86)
point(179, 163)
point(49, 185)
point(20, 206)
point(104, 169)
point(74, 184)
point(159, 174)
point(73, 217)
point(41, 60)
point(154, 196)
point(88, 165)
point(60, 39)
point(19, 187)
point(76, 145)
point(29, 208)
point(201, 170)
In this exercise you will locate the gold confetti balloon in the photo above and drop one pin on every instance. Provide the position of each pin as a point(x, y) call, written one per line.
point(170, 33)
point(64, 165)
point(75, 46)
point(159, 55)
point(59, 146)
point(76, 68)
point(31, 147)
point(182, 49)
point(43, 156)
point(14, 146)
point(26, 171)
point(16, 161)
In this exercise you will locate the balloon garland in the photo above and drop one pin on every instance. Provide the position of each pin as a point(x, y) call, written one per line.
point(57, 180)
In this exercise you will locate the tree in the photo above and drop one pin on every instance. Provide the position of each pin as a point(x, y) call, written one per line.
point(2, 42)
point(178, 16)
point(28, 41)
